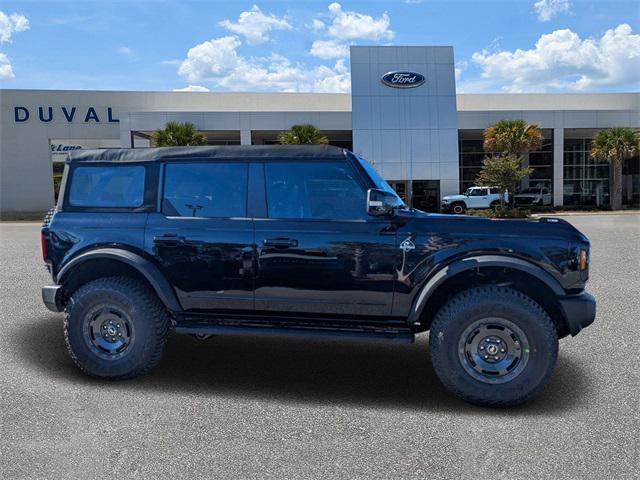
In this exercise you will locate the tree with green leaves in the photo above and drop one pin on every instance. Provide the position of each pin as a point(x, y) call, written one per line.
point(511, 140)
point(514, 138)
point(304, 134)
point(503, 172)
point(176, 134)
point(615, 145)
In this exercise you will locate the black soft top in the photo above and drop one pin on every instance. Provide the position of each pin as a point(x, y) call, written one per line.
point(328, 152)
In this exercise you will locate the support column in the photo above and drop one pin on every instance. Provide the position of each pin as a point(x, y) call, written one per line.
point(558, 167)
point(245, 137)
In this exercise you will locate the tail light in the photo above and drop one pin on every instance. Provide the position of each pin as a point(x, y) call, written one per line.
point(43, 246)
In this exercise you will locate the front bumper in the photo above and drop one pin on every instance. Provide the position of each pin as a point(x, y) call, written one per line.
point(579, 310)
point(52, 298)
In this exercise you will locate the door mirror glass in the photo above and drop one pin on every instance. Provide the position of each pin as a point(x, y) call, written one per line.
point(381, 203)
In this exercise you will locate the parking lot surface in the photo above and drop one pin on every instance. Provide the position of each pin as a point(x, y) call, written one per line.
point(295, 408)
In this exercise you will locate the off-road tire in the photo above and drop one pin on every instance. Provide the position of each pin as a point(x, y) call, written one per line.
point(495, 204)
point(146, 314)
point(473, 305)
point(458, 208)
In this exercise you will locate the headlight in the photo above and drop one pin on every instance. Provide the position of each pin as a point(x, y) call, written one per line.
point(445, 200)
point(583, 259)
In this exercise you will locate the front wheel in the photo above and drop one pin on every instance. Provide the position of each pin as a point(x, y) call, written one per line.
point(458, 208)
point(493, 346)
point(115, 327)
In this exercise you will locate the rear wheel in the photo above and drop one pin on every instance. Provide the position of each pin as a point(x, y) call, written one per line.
point(493, 346)
point(495, 204)
point(115, 327)
point(458, 208)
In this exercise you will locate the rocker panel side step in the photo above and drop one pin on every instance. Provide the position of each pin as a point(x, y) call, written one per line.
point(215, 329)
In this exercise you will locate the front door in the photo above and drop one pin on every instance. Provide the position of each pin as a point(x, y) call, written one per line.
point(478, 198)
point(318, 250)
point(203, 240)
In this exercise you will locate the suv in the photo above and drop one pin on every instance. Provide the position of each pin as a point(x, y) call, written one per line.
point(302, 240)
point(534, 196)
point(474, 197)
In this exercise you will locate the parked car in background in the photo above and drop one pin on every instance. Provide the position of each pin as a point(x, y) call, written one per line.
point(474, 197)
point(534, 196)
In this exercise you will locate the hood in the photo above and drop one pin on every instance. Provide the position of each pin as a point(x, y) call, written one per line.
point(489, 227)
point(454, 197)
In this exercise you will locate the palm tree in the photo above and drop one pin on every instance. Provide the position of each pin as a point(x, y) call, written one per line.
point(513, 138)
point(615, 145)
point(176, 134)
point(302, 135)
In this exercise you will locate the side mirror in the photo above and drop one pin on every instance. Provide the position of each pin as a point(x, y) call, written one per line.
point(381, 203)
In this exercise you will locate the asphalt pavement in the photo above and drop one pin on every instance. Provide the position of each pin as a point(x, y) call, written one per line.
point(298, 408)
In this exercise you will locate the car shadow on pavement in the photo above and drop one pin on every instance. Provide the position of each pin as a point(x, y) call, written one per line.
point(298, 370)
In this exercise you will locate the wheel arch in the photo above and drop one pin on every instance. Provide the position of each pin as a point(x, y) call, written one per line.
point(465, 273)
point(103, 262)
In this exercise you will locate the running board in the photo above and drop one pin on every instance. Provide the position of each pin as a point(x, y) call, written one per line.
point(387, 335)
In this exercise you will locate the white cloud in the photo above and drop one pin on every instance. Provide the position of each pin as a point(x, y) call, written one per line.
point(353, 25)
point(561, 60)
point(547, 9)
point(6, 70)
point(10, 24)
point(328, 49)
point(254, 25)
point(125, 51)
point(460, 67)
point(192, 88)
point(345, 26)
point(317, 25)
point(218, 61)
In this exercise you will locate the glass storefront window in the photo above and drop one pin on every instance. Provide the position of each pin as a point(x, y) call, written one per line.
point(586, 181)
point(472, 154)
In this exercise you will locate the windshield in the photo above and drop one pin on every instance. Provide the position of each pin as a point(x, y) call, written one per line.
point(379, 182)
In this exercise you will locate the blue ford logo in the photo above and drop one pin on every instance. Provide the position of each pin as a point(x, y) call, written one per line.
point(403, 79)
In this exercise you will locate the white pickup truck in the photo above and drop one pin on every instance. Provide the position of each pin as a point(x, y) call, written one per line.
point(474, 197)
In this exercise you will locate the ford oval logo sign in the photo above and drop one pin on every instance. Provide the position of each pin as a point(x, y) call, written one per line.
point(403, 79)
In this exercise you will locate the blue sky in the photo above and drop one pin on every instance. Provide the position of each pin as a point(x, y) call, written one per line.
point(500, 46)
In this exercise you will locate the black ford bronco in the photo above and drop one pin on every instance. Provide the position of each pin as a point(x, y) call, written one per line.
point(264, 240)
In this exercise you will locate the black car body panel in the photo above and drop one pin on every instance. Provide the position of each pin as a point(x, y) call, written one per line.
point(373, 275)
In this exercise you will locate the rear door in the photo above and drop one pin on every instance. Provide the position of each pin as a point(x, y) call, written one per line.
point(203, 239)
point(318, 250)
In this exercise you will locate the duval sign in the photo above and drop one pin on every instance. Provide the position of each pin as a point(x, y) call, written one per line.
point(402, 79)
point(68, 114)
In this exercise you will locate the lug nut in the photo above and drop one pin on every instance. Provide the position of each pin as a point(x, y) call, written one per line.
point(498, 341)
point(486, 356)
point(481, 348)
point(502, 350)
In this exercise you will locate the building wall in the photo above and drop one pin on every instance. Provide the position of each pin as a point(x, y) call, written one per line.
point(25, 159)
point(409, 133)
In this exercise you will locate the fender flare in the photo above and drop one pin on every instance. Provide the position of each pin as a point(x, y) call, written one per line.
point(156, 279)
point(469, 263)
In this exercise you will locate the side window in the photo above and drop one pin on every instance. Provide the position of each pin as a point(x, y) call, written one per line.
point(494, 191)
point(314, 190)
point(477, 192)
point(545, 191)
point(120, 186)
point(205, 190)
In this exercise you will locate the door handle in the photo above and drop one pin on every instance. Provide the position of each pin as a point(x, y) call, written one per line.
point(280, 242)
point(169, 240)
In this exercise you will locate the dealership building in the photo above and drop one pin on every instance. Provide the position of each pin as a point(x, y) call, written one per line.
point(422, 136)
